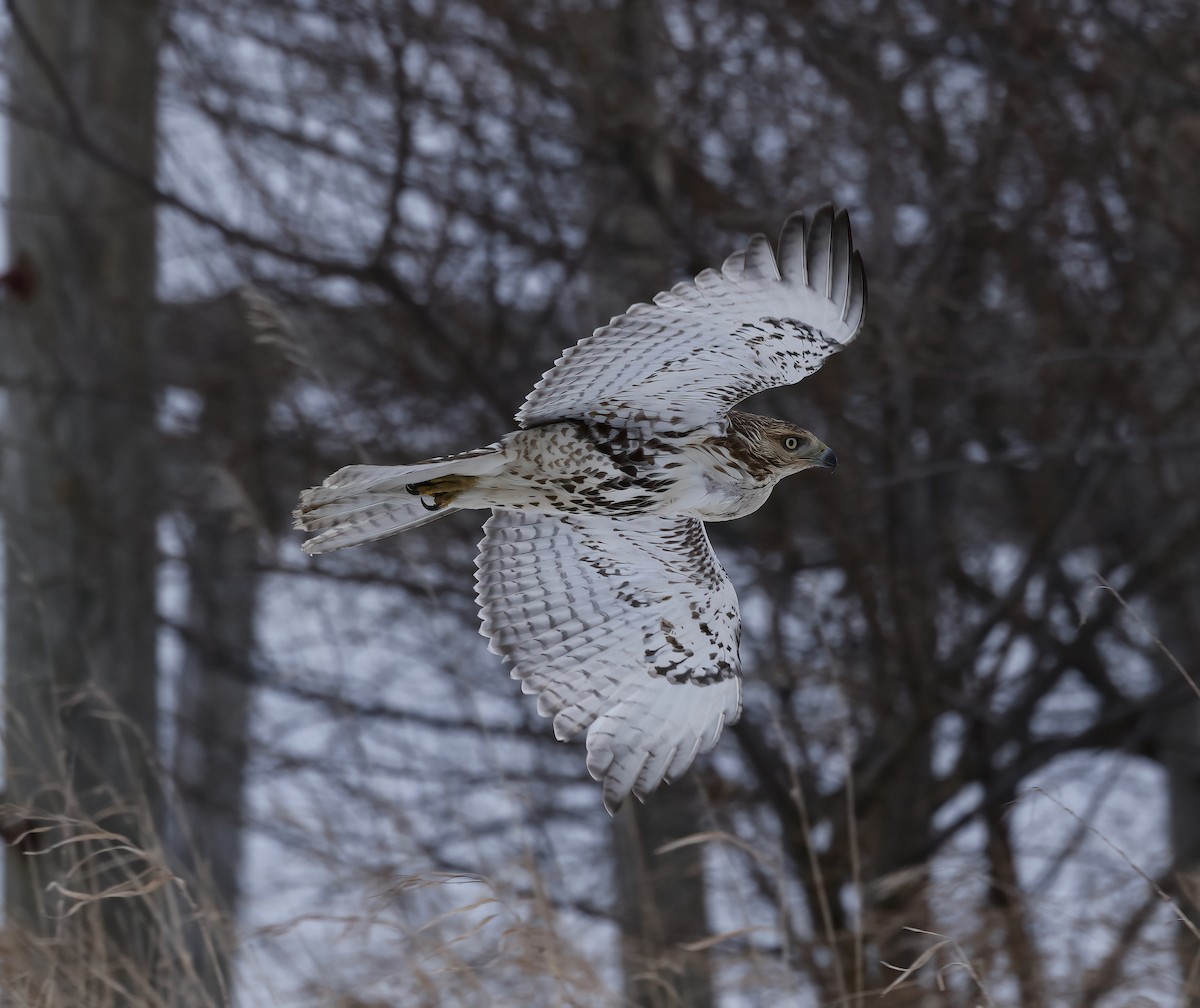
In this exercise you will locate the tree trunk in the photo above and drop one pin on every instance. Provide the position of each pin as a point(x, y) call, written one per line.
point(79, 487)
point(662, 901)
point(221, 490)
point(211, 730)
point(661, 898)
point(1177, 732)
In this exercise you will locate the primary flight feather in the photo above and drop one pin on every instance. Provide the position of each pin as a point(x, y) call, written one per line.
point(596, 579)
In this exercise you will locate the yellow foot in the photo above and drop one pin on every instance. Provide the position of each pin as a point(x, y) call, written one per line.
point(442, 490)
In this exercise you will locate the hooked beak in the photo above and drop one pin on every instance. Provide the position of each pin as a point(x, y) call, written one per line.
point(826, 459)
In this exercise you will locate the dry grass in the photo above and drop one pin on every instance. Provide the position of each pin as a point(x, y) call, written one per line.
point(425, 939)
point(116, 927)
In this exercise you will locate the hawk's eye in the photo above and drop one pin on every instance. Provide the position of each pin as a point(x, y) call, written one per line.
point(791, 443)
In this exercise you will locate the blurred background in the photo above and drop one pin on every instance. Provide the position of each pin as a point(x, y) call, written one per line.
point(250, 241)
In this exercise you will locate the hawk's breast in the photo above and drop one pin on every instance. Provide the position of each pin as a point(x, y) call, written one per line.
point(727, 488)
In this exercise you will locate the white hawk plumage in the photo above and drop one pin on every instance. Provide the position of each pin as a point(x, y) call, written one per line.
point(596, 579)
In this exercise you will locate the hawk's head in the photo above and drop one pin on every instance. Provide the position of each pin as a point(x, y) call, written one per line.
point(781, 446)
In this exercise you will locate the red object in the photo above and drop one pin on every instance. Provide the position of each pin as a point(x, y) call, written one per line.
point(21, 279)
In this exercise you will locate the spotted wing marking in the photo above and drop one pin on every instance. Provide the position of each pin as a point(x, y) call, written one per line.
point(765, 319)
point(627, 628)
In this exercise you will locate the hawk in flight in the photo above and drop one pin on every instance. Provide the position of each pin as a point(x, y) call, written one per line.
point(596, 578)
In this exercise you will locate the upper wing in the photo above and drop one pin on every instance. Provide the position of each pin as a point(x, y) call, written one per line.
point(625, 626)
point(702, 347)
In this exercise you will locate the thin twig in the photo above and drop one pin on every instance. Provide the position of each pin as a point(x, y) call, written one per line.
point(855, 868)
point(1105, 586)
point(1153, 883)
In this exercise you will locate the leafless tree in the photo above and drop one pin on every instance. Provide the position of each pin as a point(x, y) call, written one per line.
point(995, 591)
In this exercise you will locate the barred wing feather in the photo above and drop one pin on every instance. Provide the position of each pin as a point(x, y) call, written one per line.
point(763, 320)
point(627, 628)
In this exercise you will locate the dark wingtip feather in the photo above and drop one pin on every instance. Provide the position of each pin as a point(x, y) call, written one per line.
point(832, 266)
point(820, 239)
point(840, 264)
point(793, 249)
point(856, 303)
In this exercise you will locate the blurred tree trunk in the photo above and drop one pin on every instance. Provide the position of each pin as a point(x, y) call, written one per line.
point(662, 901)
point(661, 897)
point(218, 485)
point(1176, 731)
point(1167, 142)
point(80, 487)
point(896, 829)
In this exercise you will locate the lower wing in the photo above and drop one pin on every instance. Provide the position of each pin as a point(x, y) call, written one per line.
point(626, 627)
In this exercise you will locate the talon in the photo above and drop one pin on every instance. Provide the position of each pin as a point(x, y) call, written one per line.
point(412, 489)
point(430, 507)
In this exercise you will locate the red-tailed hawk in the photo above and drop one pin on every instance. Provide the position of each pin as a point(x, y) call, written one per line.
point(596, 578)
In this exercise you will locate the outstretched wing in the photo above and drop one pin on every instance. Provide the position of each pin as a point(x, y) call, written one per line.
point(627, 627)
point(764, 320)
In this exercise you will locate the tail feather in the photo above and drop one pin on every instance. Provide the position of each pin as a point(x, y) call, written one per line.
point(368, 523)
point(361, 503)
